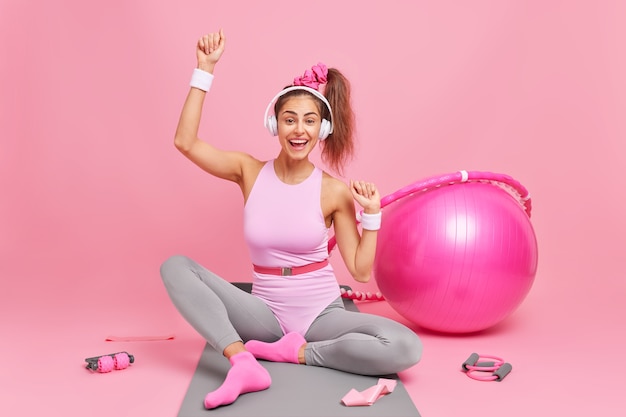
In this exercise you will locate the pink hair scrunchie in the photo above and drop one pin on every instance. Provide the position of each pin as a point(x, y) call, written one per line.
point(318, 74)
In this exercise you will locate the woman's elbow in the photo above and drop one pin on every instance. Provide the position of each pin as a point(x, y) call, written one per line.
point(182, 144)
point(362, 278)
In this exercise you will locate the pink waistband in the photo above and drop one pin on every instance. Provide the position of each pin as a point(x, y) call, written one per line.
point(296, 270)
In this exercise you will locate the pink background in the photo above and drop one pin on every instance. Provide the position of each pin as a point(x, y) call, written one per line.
point(93, 195)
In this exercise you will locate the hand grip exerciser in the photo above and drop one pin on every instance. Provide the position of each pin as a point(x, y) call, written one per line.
point(486, 367)
point(107, 363)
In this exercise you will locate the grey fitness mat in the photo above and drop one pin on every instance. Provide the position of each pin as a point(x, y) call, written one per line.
point(296, 391)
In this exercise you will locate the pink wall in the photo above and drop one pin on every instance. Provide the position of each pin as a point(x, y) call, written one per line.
point(92, 188)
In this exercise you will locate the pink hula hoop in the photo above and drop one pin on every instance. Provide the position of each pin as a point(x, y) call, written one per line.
point(508, 183)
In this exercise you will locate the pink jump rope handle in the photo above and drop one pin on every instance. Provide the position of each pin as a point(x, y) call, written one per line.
point(107, 363)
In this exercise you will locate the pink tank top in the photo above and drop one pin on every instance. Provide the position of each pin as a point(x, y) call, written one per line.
point(284, 227)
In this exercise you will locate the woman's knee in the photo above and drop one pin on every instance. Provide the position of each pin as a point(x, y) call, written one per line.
point(172, 266)
point(409, 348)
point(405, 348)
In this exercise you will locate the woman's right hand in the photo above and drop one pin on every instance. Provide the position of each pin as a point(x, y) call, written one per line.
point(209, 50)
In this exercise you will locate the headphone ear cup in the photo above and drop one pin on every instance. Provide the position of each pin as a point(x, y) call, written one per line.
point(324, 129)
point(272, 125)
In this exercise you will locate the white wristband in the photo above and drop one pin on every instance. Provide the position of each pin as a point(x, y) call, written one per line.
point(201, 80)
point(371, 221)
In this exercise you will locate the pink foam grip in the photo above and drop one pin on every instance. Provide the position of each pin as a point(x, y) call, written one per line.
point(105, 364)
point(121, 360)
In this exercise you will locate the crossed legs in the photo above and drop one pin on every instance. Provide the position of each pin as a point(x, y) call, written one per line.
point(228, 317)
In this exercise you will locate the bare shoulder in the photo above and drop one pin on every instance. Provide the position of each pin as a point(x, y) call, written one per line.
point(334, 185)
point(335, 193)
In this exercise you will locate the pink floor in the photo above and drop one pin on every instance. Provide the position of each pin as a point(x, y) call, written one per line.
point(566, 345)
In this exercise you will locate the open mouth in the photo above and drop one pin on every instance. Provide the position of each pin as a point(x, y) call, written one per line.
point(298, 143)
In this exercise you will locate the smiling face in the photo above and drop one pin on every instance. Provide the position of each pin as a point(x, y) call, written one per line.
point(299, 122)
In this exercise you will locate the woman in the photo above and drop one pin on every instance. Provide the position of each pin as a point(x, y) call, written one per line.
point(295, 312)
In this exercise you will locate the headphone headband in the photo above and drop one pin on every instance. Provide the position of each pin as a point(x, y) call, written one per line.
point(294, 88)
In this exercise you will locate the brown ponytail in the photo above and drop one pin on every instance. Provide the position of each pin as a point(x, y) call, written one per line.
point(338, 148)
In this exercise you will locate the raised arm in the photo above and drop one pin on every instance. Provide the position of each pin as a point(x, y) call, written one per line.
point(223, 164)
point(358, 251)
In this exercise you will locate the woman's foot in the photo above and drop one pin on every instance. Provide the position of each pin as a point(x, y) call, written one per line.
point(245, 375)
point(286, 349)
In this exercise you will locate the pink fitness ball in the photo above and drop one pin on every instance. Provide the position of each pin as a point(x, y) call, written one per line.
point(458, 257)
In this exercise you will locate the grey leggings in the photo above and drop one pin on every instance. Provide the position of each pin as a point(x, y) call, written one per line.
point(354, 342)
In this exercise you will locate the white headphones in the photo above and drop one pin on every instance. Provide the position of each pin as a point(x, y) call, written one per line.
point(272, 125)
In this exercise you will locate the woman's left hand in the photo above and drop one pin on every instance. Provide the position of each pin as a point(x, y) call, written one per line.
point(366, 194)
